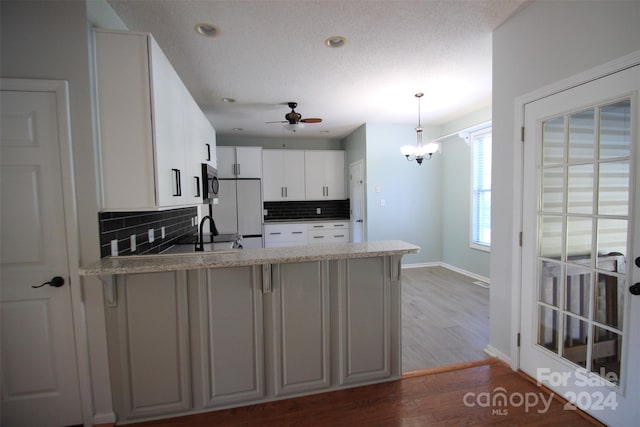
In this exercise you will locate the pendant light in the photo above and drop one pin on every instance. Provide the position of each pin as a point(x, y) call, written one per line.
point(419, 151)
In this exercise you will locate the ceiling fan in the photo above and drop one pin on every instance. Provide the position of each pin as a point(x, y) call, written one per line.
point(294, 118)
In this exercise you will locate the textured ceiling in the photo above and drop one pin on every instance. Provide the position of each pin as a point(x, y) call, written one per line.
point(270, 52)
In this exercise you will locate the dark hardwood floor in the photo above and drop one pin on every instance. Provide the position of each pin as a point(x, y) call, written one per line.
point(436, 399)
point(445, 318)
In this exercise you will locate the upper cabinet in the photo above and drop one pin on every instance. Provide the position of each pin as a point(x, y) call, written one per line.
point(324, 174)
point(239, 162)
point(153, 136)
point(283, 175)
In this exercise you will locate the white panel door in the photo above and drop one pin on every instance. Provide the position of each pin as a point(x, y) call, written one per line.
point(39, 367)
point(580, 318)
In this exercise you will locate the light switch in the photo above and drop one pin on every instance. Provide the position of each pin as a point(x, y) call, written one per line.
point(114, 247)
point(133, 242)
point(382, 202)
point(152, 235)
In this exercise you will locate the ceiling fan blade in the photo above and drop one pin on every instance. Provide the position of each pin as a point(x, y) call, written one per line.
point(279, 121)
point(311, 120)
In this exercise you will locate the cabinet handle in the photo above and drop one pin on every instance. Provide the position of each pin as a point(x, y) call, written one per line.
point(338, 225)
point(338, 235)
point(318, 226)
point(208, 152)
point(275, 234)
point(296, 232)
point(177, 191)
point(197, 192)
point(327, 191)
point(282, 192)
point(318, 237)
point(238, 169)
point(286, 191)
point(233, 169)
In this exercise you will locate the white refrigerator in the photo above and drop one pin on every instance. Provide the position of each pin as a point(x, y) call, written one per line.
point(239, 210)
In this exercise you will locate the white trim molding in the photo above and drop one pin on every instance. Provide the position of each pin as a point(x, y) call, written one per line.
point(520, 102)
point(448, 267)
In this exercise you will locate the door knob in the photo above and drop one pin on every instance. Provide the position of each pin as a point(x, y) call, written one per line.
point(359, 220)
point(635, 289)
point(638, 261)
point(56, 282)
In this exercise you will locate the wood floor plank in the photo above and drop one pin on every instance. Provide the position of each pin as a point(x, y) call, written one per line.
point(445, 318)
point(427, 400)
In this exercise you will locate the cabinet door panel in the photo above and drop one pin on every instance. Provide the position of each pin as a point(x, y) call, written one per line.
point(314, 175)
point(301, 327)
point(154, 347)
point(272, 175)
point(294, 171)
point(335, 175)
point(226, 162)
point(365, 321)
point(249, 160)
point(235, 348)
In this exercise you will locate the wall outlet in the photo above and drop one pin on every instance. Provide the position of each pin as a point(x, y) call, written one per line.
point(265, 212)
point(152, 235)
point(133, 242)
point(215, 201)
point(318, 211)
point(114, 247)
point(377, 189)
point(162, 234)
point(383, 202)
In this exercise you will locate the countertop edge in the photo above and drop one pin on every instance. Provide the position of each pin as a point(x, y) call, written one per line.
point(194, 261)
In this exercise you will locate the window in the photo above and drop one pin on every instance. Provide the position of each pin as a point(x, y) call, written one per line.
point(480, 142)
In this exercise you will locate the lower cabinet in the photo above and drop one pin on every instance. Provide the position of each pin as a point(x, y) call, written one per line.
point(298, 327)
point(183, 341)
point(148, 332)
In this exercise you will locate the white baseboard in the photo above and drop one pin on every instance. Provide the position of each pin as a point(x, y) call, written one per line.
point(465, 272)
point(104, 418)
point(422, 264)
point(449, 267)
point(494, 352)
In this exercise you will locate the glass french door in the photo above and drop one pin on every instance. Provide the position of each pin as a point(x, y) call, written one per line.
point(580, 321)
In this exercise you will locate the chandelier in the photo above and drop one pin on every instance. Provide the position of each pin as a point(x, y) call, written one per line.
point(419, 151)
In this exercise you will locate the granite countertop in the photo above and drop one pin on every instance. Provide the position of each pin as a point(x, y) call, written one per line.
point(243, 257)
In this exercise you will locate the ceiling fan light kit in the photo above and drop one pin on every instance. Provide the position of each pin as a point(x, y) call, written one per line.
point(294, 120)
point(419, 151)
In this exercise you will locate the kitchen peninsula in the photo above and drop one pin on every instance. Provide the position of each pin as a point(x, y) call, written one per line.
point(209, 330)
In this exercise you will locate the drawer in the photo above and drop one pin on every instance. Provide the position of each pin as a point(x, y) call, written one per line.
point(328, 236)
point(328, 225)
point(296, 233)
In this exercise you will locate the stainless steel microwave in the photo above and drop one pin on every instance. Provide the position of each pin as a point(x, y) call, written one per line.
point(210, 183)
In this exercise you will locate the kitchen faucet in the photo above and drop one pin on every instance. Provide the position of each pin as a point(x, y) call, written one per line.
point(214, 232)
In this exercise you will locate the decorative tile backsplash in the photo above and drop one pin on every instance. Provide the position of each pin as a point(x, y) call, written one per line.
point(329, 209)
point(120, 226)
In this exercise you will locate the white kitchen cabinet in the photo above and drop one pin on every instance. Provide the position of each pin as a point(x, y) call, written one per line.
point(324, 174)
point(281, 235)
point(298, 324)
point(283, 175)
point(239, 162)
point(146, 125)
point(328, 232)
point(148, 332)
point(227, 320)
point(368, 303)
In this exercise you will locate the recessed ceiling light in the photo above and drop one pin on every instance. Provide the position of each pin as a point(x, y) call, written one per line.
point(237, 129)
point(206, 30)
point(228, 100)
point(335, 41)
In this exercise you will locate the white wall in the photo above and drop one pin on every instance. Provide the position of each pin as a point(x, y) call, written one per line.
point(542, 44)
